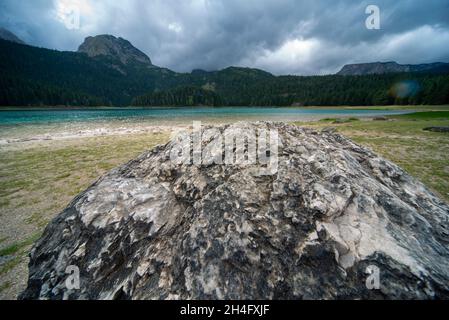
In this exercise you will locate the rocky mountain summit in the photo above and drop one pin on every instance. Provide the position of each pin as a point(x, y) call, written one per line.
point(333, 221)
point(391, 67)
point(8, 35)
point(116, 48)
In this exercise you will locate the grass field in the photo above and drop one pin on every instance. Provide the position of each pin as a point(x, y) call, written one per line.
point(402, 140)
point(38, 182)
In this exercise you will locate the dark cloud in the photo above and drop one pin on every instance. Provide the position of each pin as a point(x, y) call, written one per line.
point(281, 36)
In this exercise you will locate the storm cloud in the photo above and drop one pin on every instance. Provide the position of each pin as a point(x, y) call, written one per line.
point(280, 36)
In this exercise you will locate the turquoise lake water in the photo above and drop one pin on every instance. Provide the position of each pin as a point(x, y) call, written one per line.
point(156, 115)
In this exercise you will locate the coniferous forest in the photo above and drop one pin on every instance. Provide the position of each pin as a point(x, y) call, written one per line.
point(32, 76)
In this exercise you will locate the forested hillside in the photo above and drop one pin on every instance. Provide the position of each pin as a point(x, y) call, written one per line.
point(401, 89)
point(181, 96)
point(61, 74)
point(36, 76)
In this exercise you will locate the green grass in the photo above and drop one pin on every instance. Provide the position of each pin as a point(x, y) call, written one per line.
point(10, 265)
point(5, 286)
point(425, 115)
point(402, 140)
point(36, 179)
point(12, 249)
point(18, 252)
point(38, 182)
point(16, 247)
point(396, 107)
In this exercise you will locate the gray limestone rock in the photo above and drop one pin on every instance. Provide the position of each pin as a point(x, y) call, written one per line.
point(335, 221)
point(392, 67)
point(117, 48)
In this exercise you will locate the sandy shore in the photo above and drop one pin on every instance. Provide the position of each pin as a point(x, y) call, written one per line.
point(28, 139)
point(18, 137)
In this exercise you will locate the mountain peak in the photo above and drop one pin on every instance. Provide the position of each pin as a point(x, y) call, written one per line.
point(8, 35)
point(372, 68)
point(391, 67)
point(109, 45)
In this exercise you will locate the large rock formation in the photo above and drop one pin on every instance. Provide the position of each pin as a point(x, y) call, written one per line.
point(334, 221)
point(392, 67)
point(115, 48)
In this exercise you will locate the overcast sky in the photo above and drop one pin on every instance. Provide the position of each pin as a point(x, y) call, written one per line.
point(280, 36)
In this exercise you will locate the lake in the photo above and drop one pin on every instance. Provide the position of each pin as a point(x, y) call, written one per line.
point(181, 115)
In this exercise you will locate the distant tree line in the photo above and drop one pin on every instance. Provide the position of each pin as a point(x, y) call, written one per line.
point(181, 96)
point(333, 90)
point(363, 90)
point(20, 92)
point(36, 76)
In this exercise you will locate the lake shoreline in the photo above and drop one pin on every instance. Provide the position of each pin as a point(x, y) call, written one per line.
point(40, 177)
point(30, 135)
point(371, 107)
point(169, 116)
point(29, 128)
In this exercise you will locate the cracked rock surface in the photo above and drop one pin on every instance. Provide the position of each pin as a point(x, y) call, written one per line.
point(315, 229)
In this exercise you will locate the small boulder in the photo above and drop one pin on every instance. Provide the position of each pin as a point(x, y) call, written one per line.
point(437, 129)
